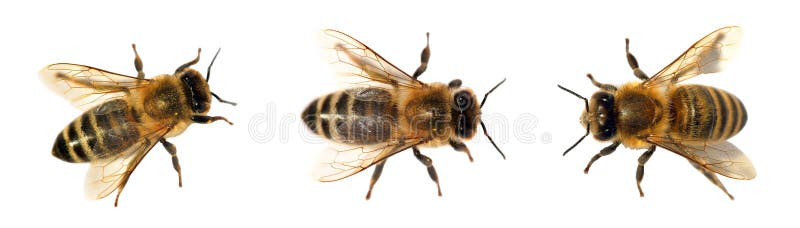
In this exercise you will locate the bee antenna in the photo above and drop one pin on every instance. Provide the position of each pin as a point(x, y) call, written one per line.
point(490, 91)
point(579, 141)
point(221, 100)
point(208, 73)
point(484, 125)
point(586, 102)
point(208, 76)
point(492, 141)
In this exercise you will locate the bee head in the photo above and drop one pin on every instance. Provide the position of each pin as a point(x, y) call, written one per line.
point(598, 117)
point(465, 112)
point(196, 86)
point(601, 118)
point(196, 89)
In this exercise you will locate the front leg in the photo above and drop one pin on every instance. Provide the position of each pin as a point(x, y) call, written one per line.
point(208, 119)
point(174, 153)
point(606, 87)
point(605, 151)
point(460, 146)
point(190, 63)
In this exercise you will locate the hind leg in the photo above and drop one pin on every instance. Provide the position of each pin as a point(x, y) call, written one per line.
point(711, 177)
point(375, 175)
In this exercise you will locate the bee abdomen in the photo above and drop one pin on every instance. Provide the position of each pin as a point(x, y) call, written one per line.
point(342, 118)
point(98, 133)
point(703, 112)
point(315, 116)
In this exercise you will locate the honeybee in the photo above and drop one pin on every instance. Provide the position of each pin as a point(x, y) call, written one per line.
point(694, 121)
point(124, 117)
point(382, 111)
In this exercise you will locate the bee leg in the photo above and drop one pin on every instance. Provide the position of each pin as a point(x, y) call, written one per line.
point(607, 87)
point(122, 184)
point(605, 151)
point(208, 119)
point(127, 175)
point(459, 146)
point(190, 63)
point(640, 168)
point(137, 63)
point(428, 163)
point(454, 84)
point(711, 177)
point(375, 175)
point(426, 55)
point(633, 63)
point(174, 152)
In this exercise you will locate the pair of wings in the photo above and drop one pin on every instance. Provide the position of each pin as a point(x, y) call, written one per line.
point(708, 55)
point(359, 67)
point(86, 88)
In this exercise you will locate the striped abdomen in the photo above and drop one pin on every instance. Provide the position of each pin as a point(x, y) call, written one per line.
point(704, 112)
point(342, 118)
point(100, 132)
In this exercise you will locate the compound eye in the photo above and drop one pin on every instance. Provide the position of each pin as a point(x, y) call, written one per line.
point(462, 125)
point(607, 132)
point(463, 101)
point(189, 75)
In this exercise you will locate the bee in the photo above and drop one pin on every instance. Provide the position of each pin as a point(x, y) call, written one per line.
point(124, 117)
point(382, 111)
point(694, 121)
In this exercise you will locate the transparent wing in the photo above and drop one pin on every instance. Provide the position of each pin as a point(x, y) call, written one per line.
point(340, 160)
point(110, 174)
point(86, 86)
point(720, 157)
point(708, 55)
point(359, 66)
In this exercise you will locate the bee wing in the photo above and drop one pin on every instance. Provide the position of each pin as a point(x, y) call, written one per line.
point(369, 94)
point(720, 157)
point(339, 160)
point(110, 174)
point(708, 55)
point(359, 66)
point(86, 86)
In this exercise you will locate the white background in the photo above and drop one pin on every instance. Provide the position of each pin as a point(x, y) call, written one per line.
point(270, 64)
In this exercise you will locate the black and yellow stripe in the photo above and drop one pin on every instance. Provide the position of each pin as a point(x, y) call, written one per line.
point(342, 118)
point(704, 112)
point(98, 133)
